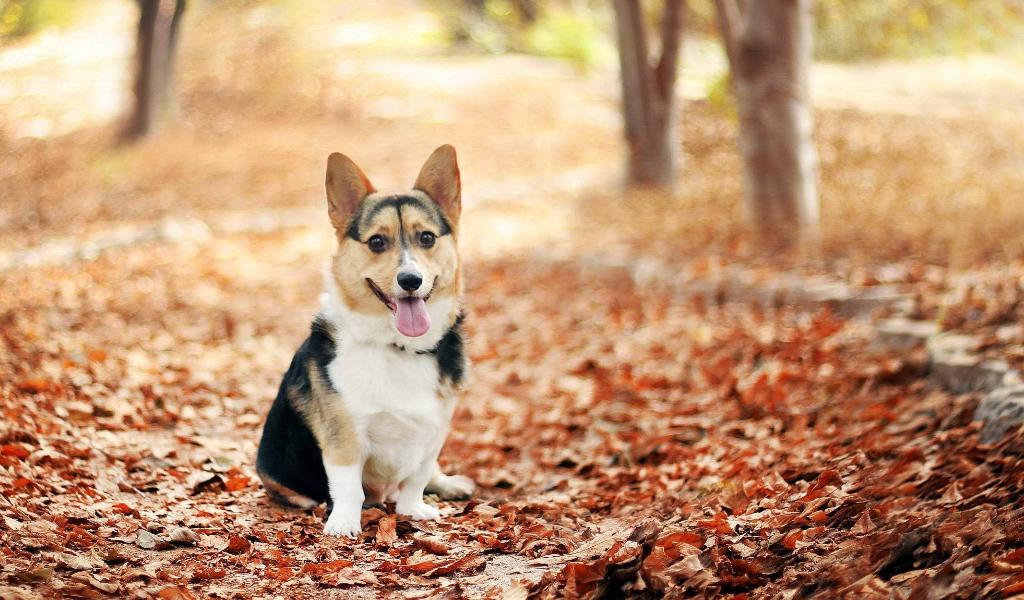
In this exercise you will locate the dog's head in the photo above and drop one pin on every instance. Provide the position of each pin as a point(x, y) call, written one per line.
point(397, 256)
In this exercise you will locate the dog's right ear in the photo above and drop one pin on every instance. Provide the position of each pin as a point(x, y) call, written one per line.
point(347, 185)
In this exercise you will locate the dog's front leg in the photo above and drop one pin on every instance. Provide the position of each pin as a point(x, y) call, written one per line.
point(345, 484)
point(410, 494)
point(339, 438)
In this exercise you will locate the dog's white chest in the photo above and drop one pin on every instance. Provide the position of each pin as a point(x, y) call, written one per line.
point(393, 398)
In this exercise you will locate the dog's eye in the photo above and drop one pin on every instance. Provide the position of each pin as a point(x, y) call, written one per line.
point(377, 244)
point(427, 239)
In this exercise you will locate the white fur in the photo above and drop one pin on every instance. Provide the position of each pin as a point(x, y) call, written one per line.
point(380, 329)
point(343, 482)
point(450, 486)
point(394, 399)
point(408, 263)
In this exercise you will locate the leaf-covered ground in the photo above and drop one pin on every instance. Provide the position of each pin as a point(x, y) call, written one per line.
point(624, 441)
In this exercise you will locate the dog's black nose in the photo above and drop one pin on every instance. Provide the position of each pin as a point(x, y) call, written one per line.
point(409, 282)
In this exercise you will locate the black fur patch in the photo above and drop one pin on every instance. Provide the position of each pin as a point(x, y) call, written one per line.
point(353, 228)
point(288, 452)
point(451, 360)
point(397, 201)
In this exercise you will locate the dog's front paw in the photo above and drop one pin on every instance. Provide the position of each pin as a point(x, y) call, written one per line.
point(418, 511)
point(452, 487)
point(339, 524)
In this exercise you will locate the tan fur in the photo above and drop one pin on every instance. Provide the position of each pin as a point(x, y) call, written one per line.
point(285, 495)
point(440, 179)
point(347, 185)
point(330, 422)
point(354, 263)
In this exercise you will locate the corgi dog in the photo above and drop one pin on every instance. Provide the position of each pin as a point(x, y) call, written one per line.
point(364, 408)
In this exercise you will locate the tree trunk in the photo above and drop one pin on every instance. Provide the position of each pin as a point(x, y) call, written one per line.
point(649, 103)
point(769, 47)
point(170, 105)
point(156, 45)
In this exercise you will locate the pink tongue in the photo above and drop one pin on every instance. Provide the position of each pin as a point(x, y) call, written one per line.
point(411, 317)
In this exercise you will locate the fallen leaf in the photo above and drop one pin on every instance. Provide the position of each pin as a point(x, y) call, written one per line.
point(15, 450)
point(790, 539)
point(123, 509)
point(36, 385)
point(386, 533)
point(279, 573)
point(431, 544)
point(182, 536)
point(516, 591)
point(201, 481)
point(103, 586)
point(371, 515)
point(12, 593)
point(323, 568)
point(78, 562)
point(38, 575)
point(466, 563)
point(719, 523)
point(148, 541)
point(238, 545)
point(236, 483)
point(208, 574)
point(175, 593)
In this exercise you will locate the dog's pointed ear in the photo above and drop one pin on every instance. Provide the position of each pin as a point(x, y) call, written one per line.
point(347, 185)
point(439, 178)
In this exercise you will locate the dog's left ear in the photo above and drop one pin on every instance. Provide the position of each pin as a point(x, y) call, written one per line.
point(439, 179)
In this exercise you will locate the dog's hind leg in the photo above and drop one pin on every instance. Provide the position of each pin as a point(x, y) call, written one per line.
point(284, 495)
point(410, 494)
point(450, 487)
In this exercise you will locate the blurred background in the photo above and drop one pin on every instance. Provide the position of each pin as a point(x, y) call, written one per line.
point(903, 140)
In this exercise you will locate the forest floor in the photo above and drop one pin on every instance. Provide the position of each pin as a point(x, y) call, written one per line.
point(746, 451)
point(624, 438)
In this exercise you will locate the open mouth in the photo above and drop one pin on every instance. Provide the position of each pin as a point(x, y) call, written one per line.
point(388, 302)
point(411, 317)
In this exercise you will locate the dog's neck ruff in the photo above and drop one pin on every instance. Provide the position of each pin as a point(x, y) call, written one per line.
point(379, 329)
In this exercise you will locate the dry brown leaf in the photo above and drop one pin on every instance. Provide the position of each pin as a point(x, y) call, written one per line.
point(238, 545)
point(182, 536)
point(386, 532)
point(432, 544)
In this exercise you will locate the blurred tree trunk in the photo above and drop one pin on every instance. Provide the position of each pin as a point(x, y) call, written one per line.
point(528, 10)
point(649, 105)
point(155, 49)
point(768, 43)
point(170, 87)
